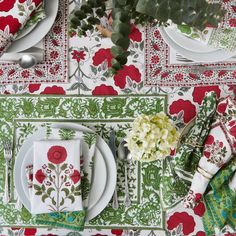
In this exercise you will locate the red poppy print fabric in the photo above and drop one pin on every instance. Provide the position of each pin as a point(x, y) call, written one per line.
point(56, 177)
point(13, 16)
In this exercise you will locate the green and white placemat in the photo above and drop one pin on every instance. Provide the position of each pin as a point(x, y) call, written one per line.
point(21, 116)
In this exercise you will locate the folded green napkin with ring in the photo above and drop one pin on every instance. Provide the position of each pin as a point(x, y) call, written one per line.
point(177, 172)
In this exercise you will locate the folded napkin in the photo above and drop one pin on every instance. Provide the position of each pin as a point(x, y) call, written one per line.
point(14, 14)
point(177, 172)
point(215, 37)
point(56, 172)
point(220, 200)
point(219, 148)
point(85, 156)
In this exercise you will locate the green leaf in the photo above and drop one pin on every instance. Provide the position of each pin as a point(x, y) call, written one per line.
point(66, 191)
point(49, 191)
point(38, 193)
point(51, 166)
point(80, 15)
point(72, 198)
point(77, 193)
point(72, 188)
point(54, 202)
point(64, 166)
point(62, 202)
point(115, 64)
point(78, 188)
point(43, 188)
point(44, 197)
point(119, 40)
point(37, 187)
point(116, 51)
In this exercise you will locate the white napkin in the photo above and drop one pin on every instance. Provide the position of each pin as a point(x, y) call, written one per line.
point(218, 149)
point(56, 180)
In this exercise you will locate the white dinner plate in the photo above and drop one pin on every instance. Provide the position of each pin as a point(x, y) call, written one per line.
point(193, 49)
point(41, 29)
point(98, 185)
point(105, 153)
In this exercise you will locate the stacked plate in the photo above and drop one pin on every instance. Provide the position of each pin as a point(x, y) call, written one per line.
point(104, 176)
point(31, 36)
point(193, 49)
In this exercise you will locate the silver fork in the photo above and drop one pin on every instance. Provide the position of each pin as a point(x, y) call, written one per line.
point(7, 156)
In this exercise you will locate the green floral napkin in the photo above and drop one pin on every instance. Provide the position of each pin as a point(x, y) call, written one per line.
point(215, 37)
point(36, 17)
point(177, 173)
point(74, 220)
point(220, 200)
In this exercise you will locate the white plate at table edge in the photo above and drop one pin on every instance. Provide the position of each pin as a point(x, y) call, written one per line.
point(38, 32)
point(200, 57)
point(110, 164)
point(98, 186)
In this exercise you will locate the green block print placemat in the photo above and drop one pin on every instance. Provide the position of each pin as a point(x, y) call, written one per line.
point(22, 116)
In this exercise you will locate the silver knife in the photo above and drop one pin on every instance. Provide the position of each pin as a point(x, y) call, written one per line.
point(112, 145)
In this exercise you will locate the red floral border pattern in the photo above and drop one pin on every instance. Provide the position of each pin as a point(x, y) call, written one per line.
point(54, 68)
point(159, 72)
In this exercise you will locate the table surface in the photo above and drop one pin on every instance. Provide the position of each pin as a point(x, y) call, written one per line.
point(88, 61)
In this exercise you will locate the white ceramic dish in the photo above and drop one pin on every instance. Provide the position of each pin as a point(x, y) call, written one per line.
point(38, 32)
point(192, 49)
point(102, 148)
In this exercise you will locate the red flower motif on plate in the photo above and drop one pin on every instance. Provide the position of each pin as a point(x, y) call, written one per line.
point(6, 5)
point(40, 176)
point(135, 34)
point(53, 90)
point(128, 71)
point(75, 177)
point(102, 55)
point(104, 90)
point(200, 92)
point(13, 23)
point(186, 106)
point(78, 55)
point(183, 218)
point(57, 154)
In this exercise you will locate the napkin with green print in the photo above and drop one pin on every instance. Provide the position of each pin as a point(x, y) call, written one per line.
point(177, 172)
point(220, 200)
point(216, 37)
point(72, 220)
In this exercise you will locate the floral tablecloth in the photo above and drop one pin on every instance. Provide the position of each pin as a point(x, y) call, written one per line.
point(89, 59)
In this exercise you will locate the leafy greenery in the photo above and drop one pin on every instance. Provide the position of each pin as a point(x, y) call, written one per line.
point(194, 13)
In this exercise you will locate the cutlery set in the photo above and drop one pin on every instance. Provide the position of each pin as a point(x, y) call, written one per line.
point(125, 157)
